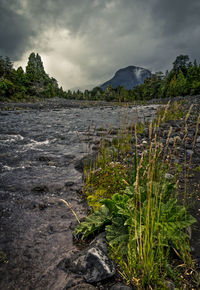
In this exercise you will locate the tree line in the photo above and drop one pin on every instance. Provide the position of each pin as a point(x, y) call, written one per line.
point(17, 84)
point(182, 80)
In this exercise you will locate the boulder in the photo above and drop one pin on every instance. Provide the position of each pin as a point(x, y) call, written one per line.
point(98, 265)
point(83, 286)
point(120, 286)
point(92, 263)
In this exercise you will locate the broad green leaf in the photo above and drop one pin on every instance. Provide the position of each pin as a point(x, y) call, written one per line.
point(93, 222)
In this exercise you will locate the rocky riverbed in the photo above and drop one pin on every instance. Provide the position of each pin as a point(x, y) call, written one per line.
point(40, 148)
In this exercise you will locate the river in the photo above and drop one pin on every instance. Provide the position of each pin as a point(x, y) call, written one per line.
point(38, 152)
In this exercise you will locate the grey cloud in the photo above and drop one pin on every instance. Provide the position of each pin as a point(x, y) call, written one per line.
point(112, 33)
point(15, 30)
point(176, 15)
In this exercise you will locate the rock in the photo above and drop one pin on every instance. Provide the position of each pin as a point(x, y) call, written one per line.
point(146, 132)
point(169, 176)
point(44, 158)
point(169, 285)
point(98, 265)
point(83, 286)
point(189, 232)
point(164, 125)
point(87, 161)
point(95, 148)
point(40, 188)
point(69, 183)
point(171, 141)
point(73, 282)
point(133, 140)
point(188, 145)
point(96, 142)
point(51, 163)
point(144, 142)
point(102, 133)
point(120, 286)
point(172, 123)
point(198, 140)
point(74, 263)
point(190, 152)
point(42, 206)
point(100, 242)
point(113, 131)
point(178, 139)
point(92, 263)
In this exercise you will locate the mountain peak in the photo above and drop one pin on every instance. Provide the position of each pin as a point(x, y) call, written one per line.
point(128, 77)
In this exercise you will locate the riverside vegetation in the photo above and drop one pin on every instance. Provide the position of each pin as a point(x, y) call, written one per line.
point(136, 201)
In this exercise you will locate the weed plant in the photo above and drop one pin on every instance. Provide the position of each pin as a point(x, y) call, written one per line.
point(132, 198)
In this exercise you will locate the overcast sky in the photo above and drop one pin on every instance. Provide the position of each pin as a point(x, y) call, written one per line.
point(84, 42)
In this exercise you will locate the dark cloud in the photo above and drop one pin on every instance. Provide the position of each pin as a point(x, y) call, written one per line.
point(176, 16)
point(85, 42)
point(15, 30)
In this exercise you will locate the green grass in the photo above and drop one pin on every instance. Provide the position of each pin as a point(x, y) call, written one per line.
point(174, 111)
point(197, 169)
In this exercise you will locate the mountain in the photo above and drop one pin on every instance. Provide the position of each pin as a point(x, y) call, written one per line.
point(128, 77)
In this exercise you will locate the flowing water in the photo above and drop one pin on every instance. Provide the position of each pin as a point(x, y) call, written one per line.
point(38, 153)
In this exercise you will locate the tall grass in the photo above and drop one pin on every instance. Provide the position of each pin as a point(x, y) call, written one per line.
point(132, 197)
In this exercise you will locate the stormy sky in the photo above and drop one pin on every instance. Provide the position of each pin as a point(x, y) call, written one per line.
point(83, 42)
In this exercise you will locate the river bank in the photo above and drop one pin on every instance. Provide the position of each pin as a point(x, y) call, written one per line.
point(40, 151)
point(179, 137)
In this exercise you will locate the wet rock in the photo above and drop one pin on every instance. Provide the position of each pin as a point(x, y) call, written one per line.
point(133, 140)
point(74, 282)
point(96, 142)
point(69, 183)
point(42, 206)
point(178, 139)
point(100, 242)
point(83, 286)
point(120, 286)
point(113, 131)
point(52, 163)
point(40, 189)
point(190, 152)
point(169, 176)
point(98, 265)
point(74, 263)
point(171, 141)
point(188, 145)
point(101, 133)
point(87, 161)
point(172, 123)
point(92, 263)
point(164, 125)
point(95, 148)
point(146, 132)
point(44, 158)
point(169, 285)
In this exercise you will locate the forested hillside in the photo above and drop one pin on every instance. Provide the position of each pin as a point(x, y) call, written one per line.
point(16, 85)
